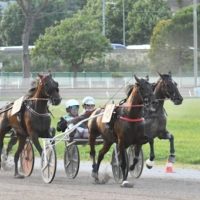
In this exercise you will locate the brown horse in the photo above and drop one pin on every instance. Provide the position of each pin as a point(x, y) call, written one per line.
point(128, 127)
point(33, 119)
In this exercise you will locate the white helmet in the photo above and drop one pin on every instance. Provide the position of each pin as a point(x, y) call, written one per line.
point(71, 102)
point(88, 100)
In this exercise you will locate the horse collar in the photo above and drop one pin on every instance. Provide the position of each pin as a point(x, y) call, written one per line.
point(132, 120)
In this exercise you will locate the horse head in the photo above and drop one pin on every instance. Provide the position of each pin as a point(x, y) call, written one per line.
point(145, 90)
point(168, 88)
point(50, 88)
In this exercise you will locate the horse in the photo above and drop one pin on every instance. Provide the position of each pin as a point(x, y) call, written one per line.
point(165, 88)
point(127, 129)
point(33, 119)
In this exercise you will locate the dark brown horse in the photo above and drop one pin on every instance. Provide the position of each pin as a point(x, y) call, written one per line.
point(33, 119)
point(128, 127)
point(165, 88)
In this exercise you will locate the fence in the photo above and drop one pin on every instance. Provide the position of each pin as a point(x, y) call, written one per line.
point(100, 85)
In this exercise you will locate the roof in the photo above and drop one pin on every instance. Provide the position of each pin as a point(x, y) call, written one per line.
point(11, 49)
point(136, 47)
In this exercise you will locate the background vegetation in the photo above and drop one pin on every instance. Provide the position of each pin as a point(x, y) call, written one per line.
point(145, 20)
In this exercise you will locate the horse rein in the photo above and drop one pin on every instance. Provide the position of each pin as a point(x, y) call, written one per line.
point(36, 113)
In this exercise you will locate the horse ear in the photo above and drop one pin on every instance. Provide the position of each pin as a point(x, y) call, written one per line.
point(49, 71)
point(161, 76)
point(137, 79)
point(40, 75)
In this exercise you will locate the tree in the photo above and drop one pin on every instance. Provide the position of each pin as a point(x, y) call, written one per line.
point(13, 16)
point(142, 18)
point(113, 16)
point(171, 42)
point(31, 10)
point(52, 13)
point(73, 40)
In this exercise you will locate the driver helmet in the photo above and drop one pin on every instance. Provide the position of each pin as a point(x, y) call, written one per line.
point(72, 107)
point(88, 103)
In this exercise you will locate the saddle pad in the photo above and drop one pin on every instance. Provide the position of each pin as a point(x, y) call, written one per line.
point(108, 113)
point(17, 105)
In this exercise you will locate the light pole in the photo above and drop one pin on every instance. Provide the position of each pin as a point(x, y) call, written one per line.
point(124, 25)
point(103, 17)
point(195, 42)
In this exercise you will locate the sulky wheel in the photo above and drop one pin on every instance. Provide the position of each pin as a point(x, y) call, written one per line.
point(71, 161)
point(116, 169)
point(27, 159)
point(136, 173)
point(48, 163)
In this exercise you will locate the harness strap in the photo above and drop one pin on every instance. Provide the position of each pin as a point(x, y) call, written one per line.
point(132, 120)
point(40, 99)
point(36, 113)
point(132, 106)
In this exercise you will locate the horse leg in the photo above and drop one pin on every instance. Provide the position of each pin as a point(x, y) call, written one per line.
point(92, 139)
point(123, 164)
point(102, 152)
point(11, 143)
point(150, 161)
point(1, 147)
point(137, 153)
point(172, 149)
point(22, 141)
point(170, 137)
point(36, 142)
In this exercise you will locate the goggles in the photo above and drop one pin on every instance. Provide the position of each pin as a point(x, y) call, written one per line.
point(89, 105)
point(74, 107)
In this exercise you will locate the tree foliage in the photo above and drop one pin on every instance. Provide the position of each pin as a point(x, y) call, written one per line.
point(172, 40)
point(52, 13)
point(73, 40)
point(11, 35)
point(142, 18)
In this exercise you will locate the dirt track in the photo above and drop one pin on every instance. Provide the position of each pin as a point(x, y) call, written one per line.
point(152, 185)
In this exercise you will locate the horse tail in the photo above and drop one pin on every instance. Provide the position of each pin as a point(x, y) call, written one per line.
point(5, 114)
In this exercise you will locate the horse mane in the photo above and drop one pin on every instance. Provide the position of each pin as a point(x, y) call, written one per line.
point(33, 89)
point(128, 89)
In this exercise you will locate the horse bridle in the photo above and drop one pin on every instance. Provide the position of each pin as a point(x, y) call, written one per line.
point(49, 84)
point(170, 94)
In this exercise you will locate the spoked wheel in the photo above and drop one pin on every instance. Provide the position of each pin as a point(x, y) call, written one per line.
point(136, 173)
point(48, 163)
point(27, 159)
point(116, 168)
point(71, 161)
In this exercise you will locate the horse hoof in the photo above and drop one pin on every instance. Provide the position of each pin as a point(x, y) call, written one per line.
point(149, 167)
point(96, 180)
point(172, 159)
point(19, 176)
point(132, 167)
point(95, 175)
point(149, 163)
point(126, 184)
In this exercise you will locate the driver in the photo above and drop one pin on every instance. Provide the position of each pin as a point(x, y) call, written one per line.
point(72, 108)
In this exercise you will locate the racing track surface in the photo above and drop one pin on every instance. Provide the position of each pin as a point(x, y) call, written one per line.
point(154, 184)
